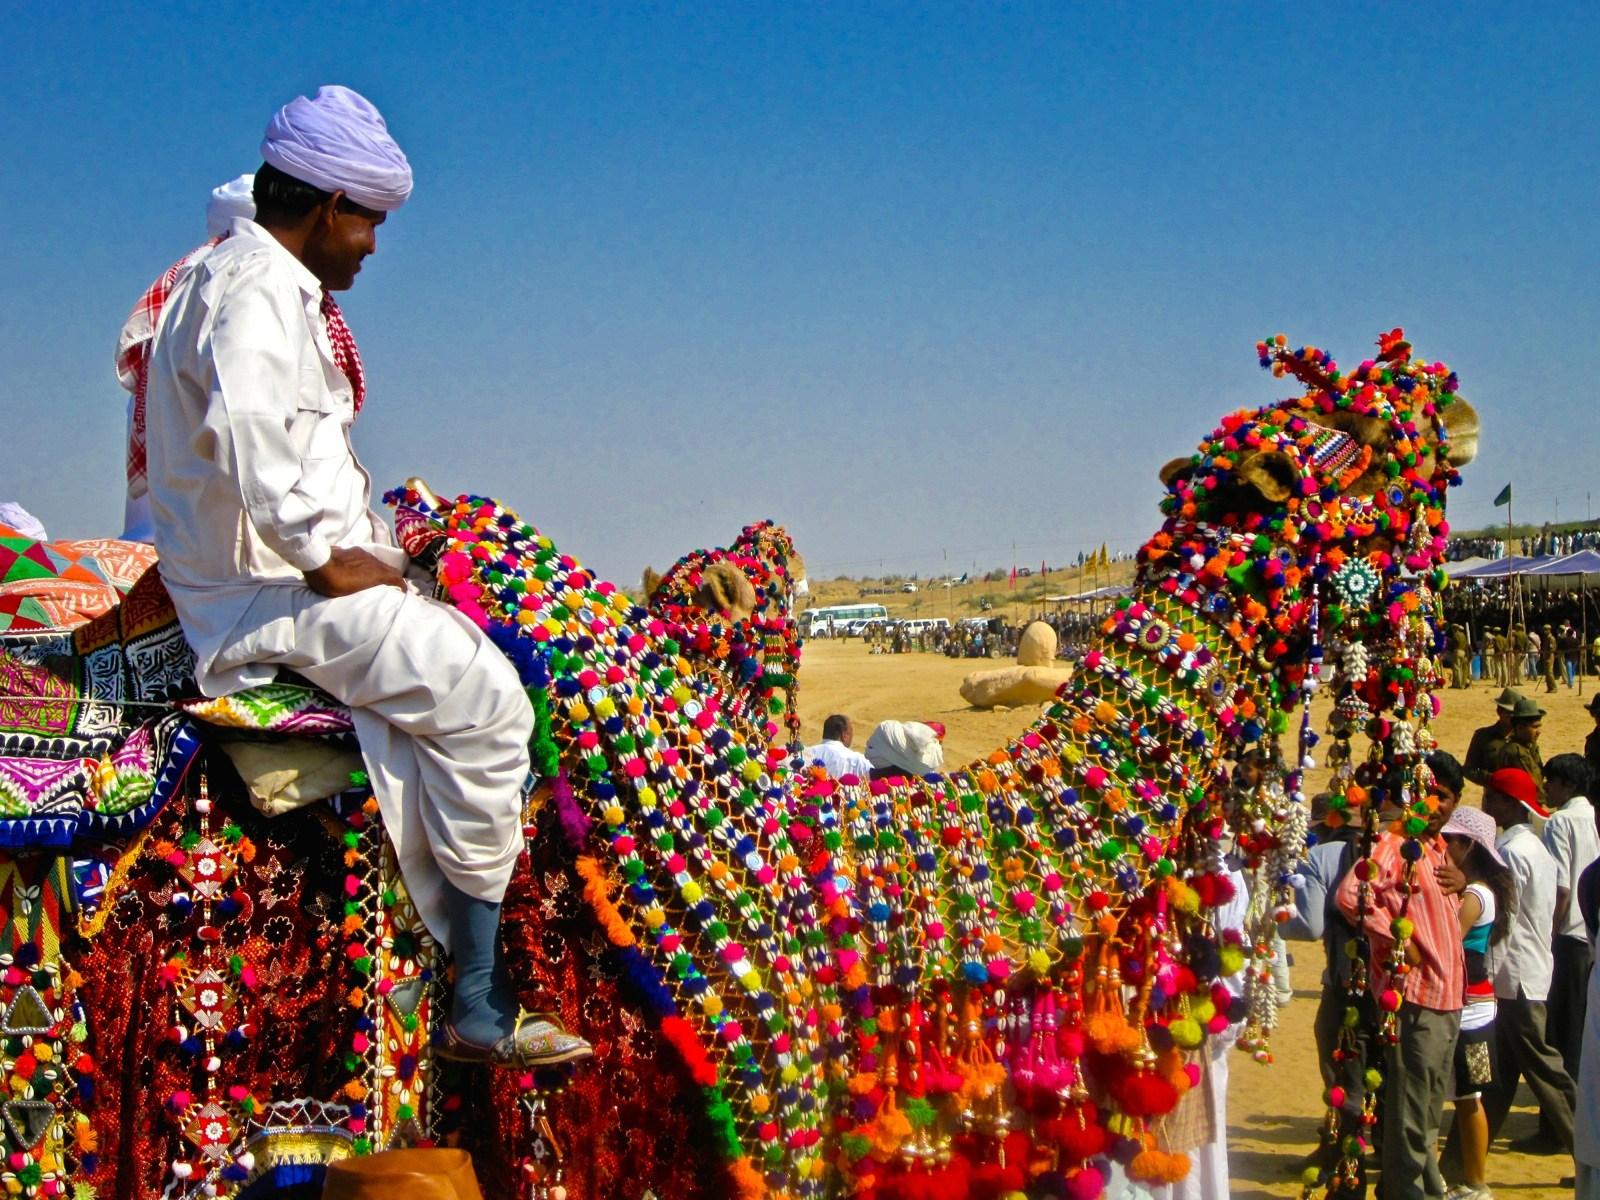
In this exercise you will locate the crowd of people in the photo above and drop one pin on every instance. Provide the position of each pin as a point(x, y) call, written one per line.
point(1551, 650)
point(990, 637)
point(1503, 908)
point(1547, 541)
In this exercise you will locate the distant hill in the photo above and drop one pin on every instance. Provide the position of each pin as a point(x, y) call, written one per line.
point(933, 599)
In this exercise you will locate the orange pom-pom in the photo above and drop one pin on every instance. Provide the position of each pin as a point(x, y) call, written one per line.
point(747, 1181)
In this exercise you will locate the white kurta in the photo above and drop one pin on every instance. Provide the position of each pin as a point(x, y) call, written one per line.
point(253, 482)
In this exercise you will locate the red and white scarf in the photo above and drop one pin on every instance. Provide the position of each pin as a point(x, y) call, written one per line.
point(138, 335)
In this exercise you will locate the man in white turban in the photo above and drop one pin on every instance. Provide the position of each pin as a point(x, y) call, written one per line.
point(905, 748)
point(274, 558)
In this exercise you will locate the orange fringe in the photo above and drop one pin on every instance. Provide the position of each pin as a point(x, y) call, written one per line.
point(597, 892)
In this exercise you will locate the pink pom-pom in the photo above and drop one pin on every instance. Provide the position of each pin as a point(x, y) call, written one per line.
point(1087, 1184)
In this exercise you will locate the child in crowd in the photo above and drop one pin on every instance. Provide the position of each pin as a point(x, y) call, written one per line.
point(1486, 907)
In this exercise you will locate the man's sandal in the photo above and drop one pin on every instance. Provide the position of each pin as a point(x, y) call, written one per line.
point(535, 1042)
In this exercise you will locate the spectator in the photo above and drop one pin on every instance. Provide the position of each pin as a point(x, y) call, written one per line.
point(1485, 743)
point(1591, 744)
point(1521, 967)
point(904, 748)
point(1317, 917)
point(1418, 1063)
point(834, 752)
point(1586, 1132)
point(1571, 838)
point(1486, 908)
point(1571, 651)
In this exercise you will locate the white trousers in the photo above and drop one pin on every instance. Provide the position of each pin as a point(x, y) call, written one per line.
point(443, 721)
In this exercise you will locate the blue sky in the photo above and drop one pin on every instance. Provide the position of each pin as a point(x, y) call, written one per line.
point(909, 279)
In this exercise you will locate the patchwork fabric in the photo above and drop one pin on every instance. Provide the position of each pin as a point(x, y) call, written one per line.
point(61, 585)
point(89, 745)
point(285, 708)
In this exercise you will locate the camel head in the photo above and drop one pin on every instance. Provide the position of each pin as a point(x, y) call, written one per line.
point(1319, 521)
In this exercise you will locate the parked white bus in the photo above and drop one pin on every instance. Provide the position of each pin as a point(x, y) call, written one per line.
point(831, 620)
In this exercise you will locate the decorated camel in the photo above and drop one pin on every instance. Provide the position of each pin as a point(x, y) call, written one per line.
point(995, 981)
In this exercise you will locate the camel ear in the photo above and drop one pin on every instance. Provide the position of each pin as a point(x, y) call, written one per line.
point(651, 581)
point(1271, 472)
point(1461, 423)
point(1175, 468)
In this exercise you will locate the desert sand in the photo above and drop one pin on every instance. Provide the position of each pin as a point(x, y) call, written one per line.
point(1273, 1110)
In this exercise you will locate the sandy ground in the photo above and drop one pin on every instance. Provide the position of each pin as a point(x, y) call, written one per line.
point(1275, 1110)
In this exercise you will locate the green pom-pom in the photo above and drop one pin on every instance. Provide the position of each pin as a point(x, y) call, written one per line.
point(1186, 1032)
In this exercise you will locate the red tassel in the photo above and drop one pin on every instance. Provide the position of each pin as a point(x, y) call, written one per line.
point(686, 1042)
point(1077, 1131)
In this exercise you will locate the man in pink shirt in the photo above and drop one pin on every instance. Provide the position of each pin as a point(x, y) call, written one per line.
point(1417, 1067)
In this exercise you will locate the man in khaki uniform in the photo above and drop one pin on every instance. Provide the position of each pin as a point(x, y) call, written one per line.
point(1494, 657)
point(1478, 764)
point(1460, 658)
point(1549, 656)
point(1521, 749)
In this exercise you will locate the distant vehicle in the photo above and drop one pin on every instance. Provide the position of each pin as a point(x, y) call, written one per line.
point(924, 624)
point(909, 588)
point(840, 615)
point(1024, 572)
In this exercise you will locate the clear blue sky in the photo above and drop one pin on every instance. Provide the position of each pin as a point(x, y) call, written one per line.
point(906, 278)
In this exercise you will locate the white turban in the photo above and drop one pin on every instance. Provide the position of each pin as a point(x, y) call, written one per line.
point(339, 143)
point(232, 199)
point(908, 746)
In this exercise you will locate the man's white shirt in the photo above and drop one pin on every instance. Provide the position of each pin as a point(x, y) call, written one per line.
point(253, 479)
point(1524, 959)
point(1570, 837)
point(838, 760)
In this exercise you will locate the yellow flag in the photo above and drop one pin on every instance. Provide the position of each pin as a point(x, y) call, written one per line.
point(1105, 559)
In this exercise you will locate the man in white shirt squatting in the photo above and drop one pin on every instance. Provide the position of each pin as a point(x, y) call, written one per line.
point(274, 559)
point(834, 750)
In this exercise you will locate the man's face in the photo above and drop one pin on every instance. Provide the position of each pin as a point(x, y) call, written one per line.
point(1527, 732)
point(1445, 801)
point(343, 235)
point(847, 735)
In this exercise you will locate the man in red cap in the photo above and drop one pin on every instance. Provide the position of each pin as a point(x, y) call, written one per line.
point(1521, 966)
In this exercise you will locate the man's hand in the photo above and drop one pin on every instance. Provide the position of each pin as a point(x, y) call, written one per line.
point(350, 571)
point(1451, 881)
